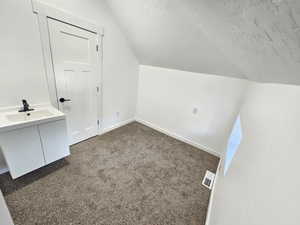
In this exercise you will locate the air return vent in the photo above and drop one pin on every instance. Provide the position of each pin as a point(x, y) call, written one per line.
point(208, 180)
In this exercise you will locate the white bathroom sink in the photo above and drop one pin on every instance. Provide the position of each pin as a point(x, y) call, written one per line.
point(12, 119)
point(30, 115)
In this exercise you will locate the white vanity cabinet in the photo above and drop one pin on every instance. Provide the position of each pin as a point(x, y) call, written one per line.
point(31, 147)
point(54, 140)
point(22, 150)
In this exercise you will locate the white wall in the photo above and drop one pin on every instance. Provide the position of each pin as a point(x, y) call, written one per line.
point(167, 97)
point(4, 213)
point(21, 62)
point(22, 73)
point(262, 184)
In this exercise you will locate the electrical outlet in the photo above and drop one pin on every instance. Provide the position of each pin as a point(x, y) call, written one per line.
point(118, 114)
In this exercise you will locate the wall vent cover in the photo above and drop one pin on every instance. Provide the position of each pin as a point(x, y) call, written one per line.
point(208, 180)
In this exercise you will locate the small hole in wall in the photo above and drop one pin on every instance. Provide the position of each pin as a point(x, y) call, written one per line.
point(195, 110)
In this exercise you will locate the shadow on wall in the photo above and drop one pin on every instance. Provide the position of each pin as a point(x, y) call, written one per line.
point(2, 161)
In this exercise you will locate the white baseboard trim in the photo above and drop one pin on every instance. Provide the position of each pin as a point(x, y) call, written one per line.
point(211, 198)
point(178, 137)
point(120, 124)
point(3, 170)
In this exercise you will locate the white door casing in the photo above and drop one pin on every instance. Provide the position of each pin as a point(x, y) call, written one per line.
point(74, 57)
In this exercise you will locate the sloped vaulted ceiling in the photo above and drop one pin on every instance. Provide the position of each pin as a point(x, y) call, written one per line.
point(254, 39)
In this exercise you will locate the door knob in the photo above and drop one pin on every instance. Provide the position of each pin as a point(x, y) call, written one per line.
point(62, 100)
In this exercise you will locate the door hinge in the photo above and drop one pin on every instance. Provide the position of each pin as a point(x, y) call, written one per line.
point(97, 48)
point(98, 89)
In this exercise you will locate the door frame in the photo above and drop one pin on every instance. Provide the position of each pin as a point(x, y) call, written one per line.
point(45, 11)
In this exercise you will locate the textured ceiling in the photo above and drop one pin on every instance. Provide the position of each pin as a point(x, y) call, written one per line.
point(254, 39)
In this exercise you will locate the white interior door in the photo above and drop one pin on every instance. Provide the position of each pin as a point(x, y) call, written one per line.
point(74, 57)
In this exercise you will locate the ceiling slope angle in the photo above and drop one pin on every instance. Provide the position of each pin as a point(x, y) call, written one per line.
point(164, 33)
point(254, 39)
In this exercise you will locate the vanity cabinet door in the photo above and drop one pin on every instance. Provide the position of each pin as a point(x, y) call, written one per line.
point(54, 140)
point(22, 150)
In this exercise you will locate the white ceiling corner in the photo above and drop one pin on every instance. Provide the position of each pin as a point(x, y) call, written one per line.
point(254, 39)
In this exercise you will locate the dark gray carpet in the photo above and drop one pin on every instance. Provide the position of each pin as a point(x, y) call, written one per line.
point(130, 176)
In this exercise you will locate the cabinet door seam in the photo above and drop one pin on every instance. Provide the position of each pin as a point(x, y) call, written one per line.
point(42, 146)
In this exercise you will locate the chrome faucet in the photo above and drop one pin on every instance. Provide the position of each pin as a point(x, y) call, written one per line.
point(25, 107)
